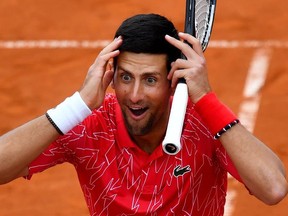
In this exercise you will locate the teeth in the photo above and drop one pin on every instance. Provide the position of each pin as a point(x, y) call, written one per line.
point(136, 108)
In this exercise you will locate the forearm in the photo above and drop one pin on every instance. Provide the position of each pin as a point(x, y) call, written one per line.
point(22, 145)
point(260, 169)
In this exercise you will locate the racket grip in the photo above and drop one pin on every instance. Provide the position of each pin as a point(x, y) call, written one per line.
point(171, 143)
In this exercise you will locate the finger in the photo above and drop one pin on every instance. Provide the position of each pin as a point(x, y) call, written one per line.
point(174, 66)
point(175, 42)
point(170, 74)
point(180, 73)
point(110, 51)
point(194, 42)
point(178, 70)
point(101, 61)
point(115, 44)
point(186, 49)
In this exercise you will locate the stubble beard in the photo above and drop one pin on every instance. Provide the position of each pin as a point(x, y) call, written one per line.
point(138, 129)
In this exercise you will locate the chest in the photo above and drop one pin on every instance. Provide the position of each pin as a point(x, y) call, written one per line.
point(126, 169)
point(141, 185)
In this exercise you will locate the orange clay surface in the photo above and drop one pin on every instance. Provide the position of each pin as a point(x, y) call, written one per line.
point(33, 80)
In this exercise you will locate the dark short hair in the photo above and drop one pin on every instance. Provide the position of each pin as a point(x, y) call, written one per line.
point(145, 33)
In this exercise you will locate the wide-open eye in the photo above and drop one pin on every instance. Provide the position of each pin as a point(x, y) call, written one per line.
point(151, 80)
point(126, 77)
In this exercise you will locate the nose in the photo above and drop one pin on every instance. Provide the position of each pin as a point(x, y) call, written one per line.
point(136, 93)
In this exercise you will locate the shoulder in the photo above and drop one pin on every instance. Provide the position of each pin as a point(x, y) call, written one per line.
point(97, 128)
point(108, 104)
point(105, 113)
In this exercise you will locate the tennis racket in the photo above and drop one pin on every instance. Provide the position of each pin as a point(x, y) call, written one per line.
point(199, 20)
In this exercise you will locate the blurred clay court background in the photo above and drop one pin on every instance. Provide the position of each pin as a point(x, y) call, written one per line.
point(47, 46)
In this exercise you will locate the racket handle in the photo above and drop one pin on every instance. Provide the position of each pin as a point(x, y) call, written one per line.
point(171, 143)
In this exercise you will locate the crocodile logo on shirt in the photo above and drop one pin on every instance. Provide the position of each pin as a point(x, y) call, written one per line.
point(180, 171)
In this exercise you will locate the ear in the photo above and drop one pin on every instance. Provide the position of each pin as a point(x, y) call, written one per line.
point(111, 66)
point(112, 84)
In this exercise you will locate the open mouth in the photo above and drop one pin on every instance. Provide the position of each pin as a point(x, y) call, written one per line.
point(138, 111)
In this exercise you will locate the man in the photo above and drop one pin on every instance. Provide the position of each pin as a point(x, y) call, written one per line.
point(114, 141)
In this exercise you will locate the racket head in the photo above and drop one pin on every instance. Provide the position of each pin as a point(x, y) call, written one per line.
point(199, 19)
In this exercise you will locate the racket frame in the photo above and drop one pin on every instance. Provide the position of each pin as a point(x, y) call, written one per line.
point(172, 140)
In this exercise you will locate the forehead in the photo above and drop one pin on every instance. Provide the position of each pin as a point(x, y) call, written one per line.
point(142, 62)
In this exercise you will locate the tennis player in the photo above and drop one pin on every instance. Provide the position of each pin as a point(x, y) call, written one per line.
point(114, 140)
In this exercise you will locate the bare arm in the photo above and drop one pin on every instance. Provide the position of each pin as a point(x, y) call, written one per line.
point(260, 169)
point(22, 145)
point(19, 147)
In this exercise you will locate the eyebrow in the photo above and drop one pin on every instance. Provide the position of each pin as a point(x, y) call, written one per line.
point(155, 73)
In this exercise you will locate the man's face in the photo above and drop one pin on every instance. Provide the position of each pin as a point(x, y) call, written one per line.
point(143, 91)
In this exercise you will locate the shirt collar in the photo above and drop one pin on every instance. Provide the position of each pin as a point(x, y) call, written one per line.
point(122, 133)
point(123, 138)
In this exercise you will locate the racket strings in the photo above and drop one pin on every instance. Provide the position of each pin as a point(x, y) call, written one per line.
point(203, 17)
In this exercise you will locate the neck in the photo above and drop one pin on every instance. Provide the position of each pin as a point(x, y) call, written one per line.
point(148, 143)
point(150, 140)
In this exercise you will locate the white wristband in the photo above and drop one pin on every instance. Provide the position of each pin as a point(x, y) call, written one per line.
point(69, 113)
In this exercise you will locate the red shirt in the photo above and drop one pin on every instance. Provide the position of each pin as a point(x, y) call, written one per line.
point(118, 178)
